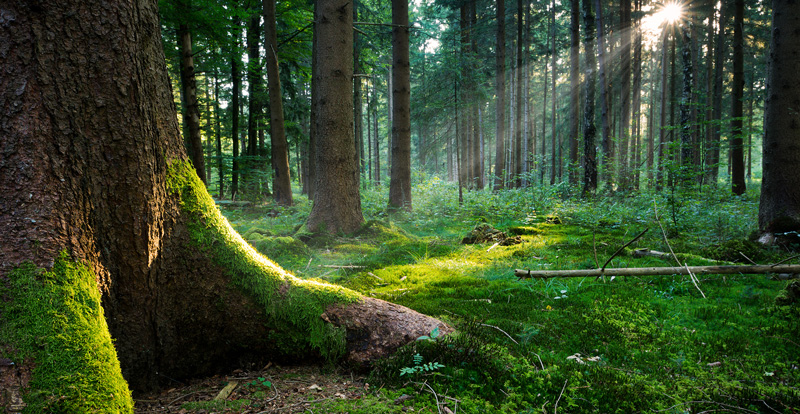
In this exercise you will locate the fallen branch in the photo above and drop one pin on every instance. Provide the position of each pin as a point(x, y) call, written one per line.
point(658, 271)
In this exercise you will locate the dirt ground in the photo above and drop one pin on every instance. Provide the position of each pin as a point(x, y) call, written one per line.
point(274, 389)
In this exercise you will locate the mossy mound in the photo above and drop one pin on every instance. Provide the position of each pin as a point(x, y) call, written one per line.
point(736, 250)
point(287, 251)
point(256, 234)
point(382, 231)
point(57, 326)
point(484, 233)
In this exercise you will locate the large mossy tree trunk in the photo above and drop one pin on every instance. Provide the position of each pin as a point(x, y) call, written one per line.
point(400, 179)
point(99, 200)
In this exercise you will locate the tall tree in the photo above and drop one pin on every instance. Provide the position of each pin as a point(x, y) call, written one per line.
point(738, 184)
point(605, 132)
point(590, 82)
point(500, 93)
point(337, 203)
point(118, 211)
point(712, 154)
point(191, 113)
point(400, 180)
point(626, 34)
point(281, 182)
point(779, 210)
point(236, 87)
point(575, 94)
point(686, 105)
point(518, 115)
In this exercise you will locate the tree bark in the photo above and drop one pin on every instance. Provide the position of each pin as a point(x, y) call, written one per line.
point(575, 94)
point(779, 210)
point(590, 81)
point(400, 180)
point(605, 142)
point(713, 158)
point(236, 87)
point(518, 115)
point(337, 203)
point(95, 181)
point(281, 180)
point(191, 111)
point(686, 106)
point(500, 93)
point(738, 184)
point(625, 91)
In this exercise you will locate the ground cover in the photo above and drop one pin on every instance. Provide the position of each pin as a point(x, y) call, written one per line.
point(636, 344)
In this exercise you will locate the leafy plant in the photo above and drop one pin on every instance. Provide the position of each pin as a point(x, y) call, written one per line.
point(419, 367)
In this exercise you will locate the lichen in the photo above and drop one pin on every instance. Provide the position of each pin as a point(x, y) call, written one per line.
point(293, 306)
point(56, 325)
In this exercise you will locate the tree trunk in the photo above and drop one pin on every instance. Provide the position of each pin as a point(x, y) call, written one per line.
point(687, 161)
point(554, 57)
point(779, 211)
point(589, 129)
point(400, 180)
point(218, 136)
point(719, 63)
point(500, 93)
point(96, 189)
point(358, 100)
point(662, 124)
point(605, 143)
point(625, 92)
point(337, 203)
point(518, 136)
point(738, 184)
point(281, 180)
point(236, 87)
point(575, 94)
point(191, 113)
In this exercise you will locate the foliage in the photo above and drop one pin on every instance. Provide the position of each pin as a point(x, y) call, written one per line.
point(638, 344)
point(56, 324)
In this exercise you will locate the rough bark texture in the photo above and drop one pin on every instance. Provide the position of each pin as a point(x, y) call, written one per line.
point(94, 173)
point(738, 184)
point(337, 204)
point(590, 80)
point(191, 111)
point(281, 183)
point(400, 180)
point(779, 211)
point(500, 104)
point(575, 94)
point(518, 115)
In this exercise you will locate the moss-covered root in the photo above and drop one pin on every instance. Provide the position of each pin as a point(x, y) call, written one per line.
point(54, 329)
point(376, 328)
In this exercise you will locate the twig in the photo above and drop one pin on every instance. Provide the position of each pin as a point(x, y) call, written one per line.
point(376, 277)
point(786, 260)
point(436, 397)
point(594, 246)
point(664, 233)
point(506, 333)
point(748, 259)
point(493, 246)
point(623, 247)
point(380, 24)
point(181, 397)
point(342, 266)
point(555, 408)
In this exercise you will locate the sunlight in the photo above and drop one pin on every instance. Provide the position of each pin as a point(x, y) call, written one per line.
point(671, 13)
point(653, 24)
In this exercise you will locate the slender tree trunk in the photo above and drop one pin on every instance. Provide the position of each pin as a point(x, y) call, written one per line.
point(662, 135)
point(518, 156)
point(236, 87)
point(400, 182)
point(500, 92)
point(606, 144)
point(738, 184)
point(687, 161)
point(575, 94)
point(281, 181)
point(218, 137)
point(191, 113)
point(637, 100)
point(358, 105)
point(590, 81)
point(719, 63)
point(553, 135)
point(779, 210)
point(625, 138)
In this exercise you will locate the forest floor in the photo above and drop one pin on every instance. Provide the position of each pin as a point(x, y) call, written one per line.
point(635, 344)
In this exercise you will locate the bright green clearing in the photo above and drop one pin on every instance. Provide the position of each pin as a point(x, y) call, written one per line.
point(641, 344)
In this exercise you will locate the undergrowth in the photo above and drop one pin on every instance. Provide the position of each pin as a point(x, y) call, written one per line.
point(635, 344)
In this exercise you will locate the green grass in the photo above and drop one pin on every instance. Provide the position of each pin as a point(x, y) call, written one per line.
point(636, 344)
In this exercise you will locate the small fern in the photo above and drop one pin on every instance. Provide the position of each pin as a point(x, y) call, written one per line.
point(419, 367)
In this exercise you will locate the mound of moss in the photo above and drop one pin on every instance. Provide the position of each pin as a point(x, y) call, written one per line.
point(287, 251)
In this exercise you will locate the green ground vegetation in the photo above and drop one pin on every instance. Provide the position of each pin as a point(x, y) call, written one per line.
point(635, 344)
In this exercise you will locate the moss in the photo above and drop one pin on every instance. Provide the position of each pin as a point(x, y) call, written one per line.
point(292, 305)
point(56, 324)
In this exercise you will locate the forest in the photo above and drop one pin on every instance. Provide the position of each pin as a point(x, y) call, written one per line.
point(432, 206)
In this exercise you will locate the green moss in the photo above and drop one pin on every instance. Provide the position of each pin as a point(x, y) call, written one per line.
point(56, 324)
point(292, 305)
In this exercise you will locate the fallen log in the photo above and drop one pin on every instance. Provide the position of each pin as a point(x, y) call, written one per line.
point(658, 271)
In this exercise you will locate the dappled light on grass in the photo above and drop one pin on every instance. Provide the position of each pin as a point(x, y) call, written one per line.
point(644, 343)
